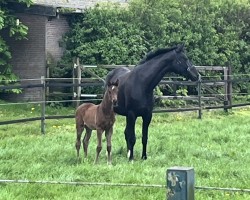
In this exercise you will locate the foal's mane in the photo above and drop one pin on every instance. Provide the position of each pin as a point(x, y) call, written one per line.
point(155, 53)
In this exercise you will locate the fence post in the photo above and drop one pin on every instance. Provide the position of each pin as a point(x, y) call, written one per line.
point(47, 76)
point(43, 104)
point(199, 98)
point(79, 75)
point(225, 70)
point(180, 183)
point(229, 87)
point(74, 82)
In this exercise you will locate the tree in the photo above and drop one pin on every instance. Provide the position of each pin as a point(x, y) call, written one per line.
point(16, 29)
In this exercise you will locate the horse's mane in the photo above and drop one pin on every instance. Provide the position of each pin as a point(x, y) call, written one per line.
point(157, 52)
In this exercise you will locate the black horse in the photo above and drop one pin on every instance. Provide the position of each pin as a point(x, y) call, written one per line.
point(135, 95)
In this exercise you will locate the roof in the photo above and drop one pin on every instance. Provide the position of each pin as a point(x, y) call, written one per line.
point(76, 4)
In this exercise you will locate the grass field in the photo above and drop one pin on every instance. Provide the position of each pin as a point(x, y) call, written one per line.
point(216, 146)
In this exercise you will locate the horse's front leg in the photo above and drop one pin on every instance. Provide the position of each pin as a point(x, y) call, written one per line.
point(130, 134)
point(99, 144)
point(145, 124)
point(108, 134)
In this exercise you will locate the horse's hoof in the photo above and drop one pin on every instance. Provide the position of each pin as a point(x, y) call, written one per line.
point(144, 157)
point(128, 155)
point(131, 161)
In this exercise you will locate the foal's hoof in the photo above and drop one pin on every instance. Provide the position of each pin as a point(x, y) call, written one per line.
point(109, 163)
point(78, 160)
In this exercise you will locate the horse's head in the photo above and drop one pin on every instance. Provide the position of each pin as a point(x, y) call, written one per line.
point(183, 66)
point(113, 91)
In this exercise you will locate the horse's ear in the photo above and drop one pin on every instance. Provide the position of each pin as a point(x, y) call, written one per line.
point(116, 82)
point(109, 84)
point(180, 48)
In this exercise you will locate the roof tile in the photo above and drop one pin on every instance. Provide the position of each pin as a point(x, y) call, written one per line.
point(80, 4)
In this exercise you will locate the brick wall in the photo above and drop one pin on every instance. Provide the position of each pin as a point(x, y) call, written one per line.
point(28, 56)
point(55, 28)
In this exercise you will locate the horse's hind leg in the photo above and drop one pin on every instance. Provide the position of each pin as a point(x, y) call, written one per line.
point(99, 144)
point(108, 135)
point(79, 130)
point(85, 140)
point(130, 134)
point(146, 121)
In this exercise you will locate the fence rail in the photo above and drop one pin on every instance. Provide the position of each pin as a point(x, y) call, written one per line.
point(197, 108)
point(79, 82)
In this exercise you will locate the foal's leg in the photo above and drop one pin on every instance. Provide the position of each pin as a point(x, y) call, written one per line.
point(99, 144)
point(108, 135)
point(85, 140)
point(79, 130)
point(146, 121)
point(130, 134)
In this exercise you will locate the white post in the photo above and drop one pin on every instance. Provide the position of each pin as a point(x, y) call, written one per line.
point(43, 105)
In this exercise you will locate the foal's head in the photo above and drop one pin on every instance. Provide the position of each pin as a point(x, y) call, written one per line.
point(112, 91)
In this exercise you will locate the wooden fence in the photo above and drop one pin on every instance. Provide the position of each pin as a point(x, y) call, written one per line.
point(78, 92)
point(226, 98)
point(77, 83)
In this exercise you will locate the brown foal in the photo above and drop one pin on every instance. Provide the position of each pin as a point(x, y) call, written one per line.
point(97, 117)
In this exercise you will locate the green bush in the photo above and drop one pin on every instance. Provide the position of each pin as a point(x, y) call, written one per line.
point(214, 32)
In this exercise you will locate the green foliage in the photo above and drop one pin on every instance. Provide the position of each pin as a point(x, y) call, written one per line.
point(10, 23)
point(214, 32)
point(104, 35)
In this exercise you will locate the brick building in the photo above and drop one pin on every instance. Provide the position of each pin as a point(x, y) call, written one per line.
point(46, 28)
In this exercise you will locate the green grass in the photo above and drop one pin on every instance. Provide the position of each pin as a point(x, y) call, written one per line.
point(216, 146)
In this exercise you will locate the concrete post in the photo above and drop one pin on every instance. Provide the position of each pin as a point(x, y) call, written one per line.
point(180, 183)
